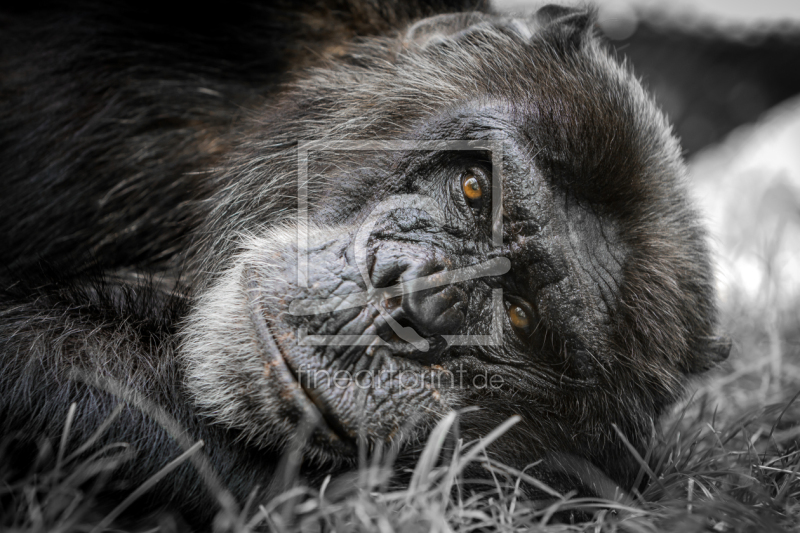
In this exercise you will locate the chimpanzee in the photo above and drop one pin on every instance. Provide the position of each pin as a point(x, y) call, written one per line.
point(322, 227)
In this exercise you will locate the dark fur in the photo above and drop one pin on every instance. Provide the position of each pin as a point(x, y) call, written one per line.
point(134, 153)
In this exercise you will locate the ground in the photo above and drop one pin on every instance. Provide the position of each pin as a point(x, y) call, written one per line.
point(726, 459)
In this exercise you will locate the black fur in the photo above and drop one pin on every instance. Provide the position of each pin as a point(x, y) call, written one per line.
point(137, 150)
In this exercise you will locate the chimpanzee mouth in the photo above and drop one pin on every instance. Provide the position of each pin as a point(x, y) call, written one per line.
point(324, 419)
point(331, 409)
point(315, 415)
point(357, 355)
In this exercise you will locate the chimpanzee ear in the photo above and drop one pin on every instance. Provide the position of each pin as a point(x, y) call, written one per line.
point(718, 347)
point(573, 24)
point(710, 352)
point(569, 24)
point(455, 26)
point(436, 29)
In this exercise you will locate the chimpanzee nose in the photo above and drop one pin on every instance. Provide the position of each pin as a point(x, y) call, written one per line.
point(429, 306)
point(438, 311)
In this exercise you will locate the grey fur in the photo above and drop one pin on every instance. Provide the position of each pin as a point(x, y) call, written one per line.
point(186, 303)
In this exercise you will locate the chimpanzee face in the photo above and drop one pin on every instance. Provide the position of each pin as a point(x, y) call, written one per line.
point(511, 242)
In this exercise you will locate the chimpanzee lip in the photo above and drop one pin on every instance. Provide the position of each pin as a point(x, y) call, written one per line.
point(308, 403)
point(339, 427)
point(325, 417)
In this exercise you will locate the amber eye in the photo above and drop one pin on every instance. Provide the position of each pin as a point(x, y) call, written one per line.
point(519, 317)
point(472, 188)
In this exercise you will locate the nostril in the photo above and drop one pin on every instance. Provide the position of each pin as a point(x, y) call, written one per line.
point(390, 304)
point(437, 312)
point(404, 322)
point(383, 276)
point(387, 333)
point(429, 309)
point(391, 278)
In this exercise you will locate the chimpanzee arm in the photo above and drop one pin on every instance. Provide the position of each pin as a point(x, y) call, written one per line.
point(98, 344)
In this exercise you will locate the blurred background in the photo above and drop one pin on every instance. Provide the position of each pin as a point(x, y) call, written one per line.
point(727, 73)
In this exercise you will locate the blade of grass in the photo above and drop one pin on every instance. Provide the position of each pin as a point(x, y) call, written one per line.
point(144, 487)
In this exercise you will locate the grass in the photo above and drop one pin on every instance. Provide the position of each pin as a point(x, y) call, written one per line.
point(728, 459)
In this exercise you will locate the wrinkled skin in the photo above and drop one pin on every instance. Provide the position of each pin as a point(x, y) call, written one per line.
point(548, 264)
point(598, 246)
